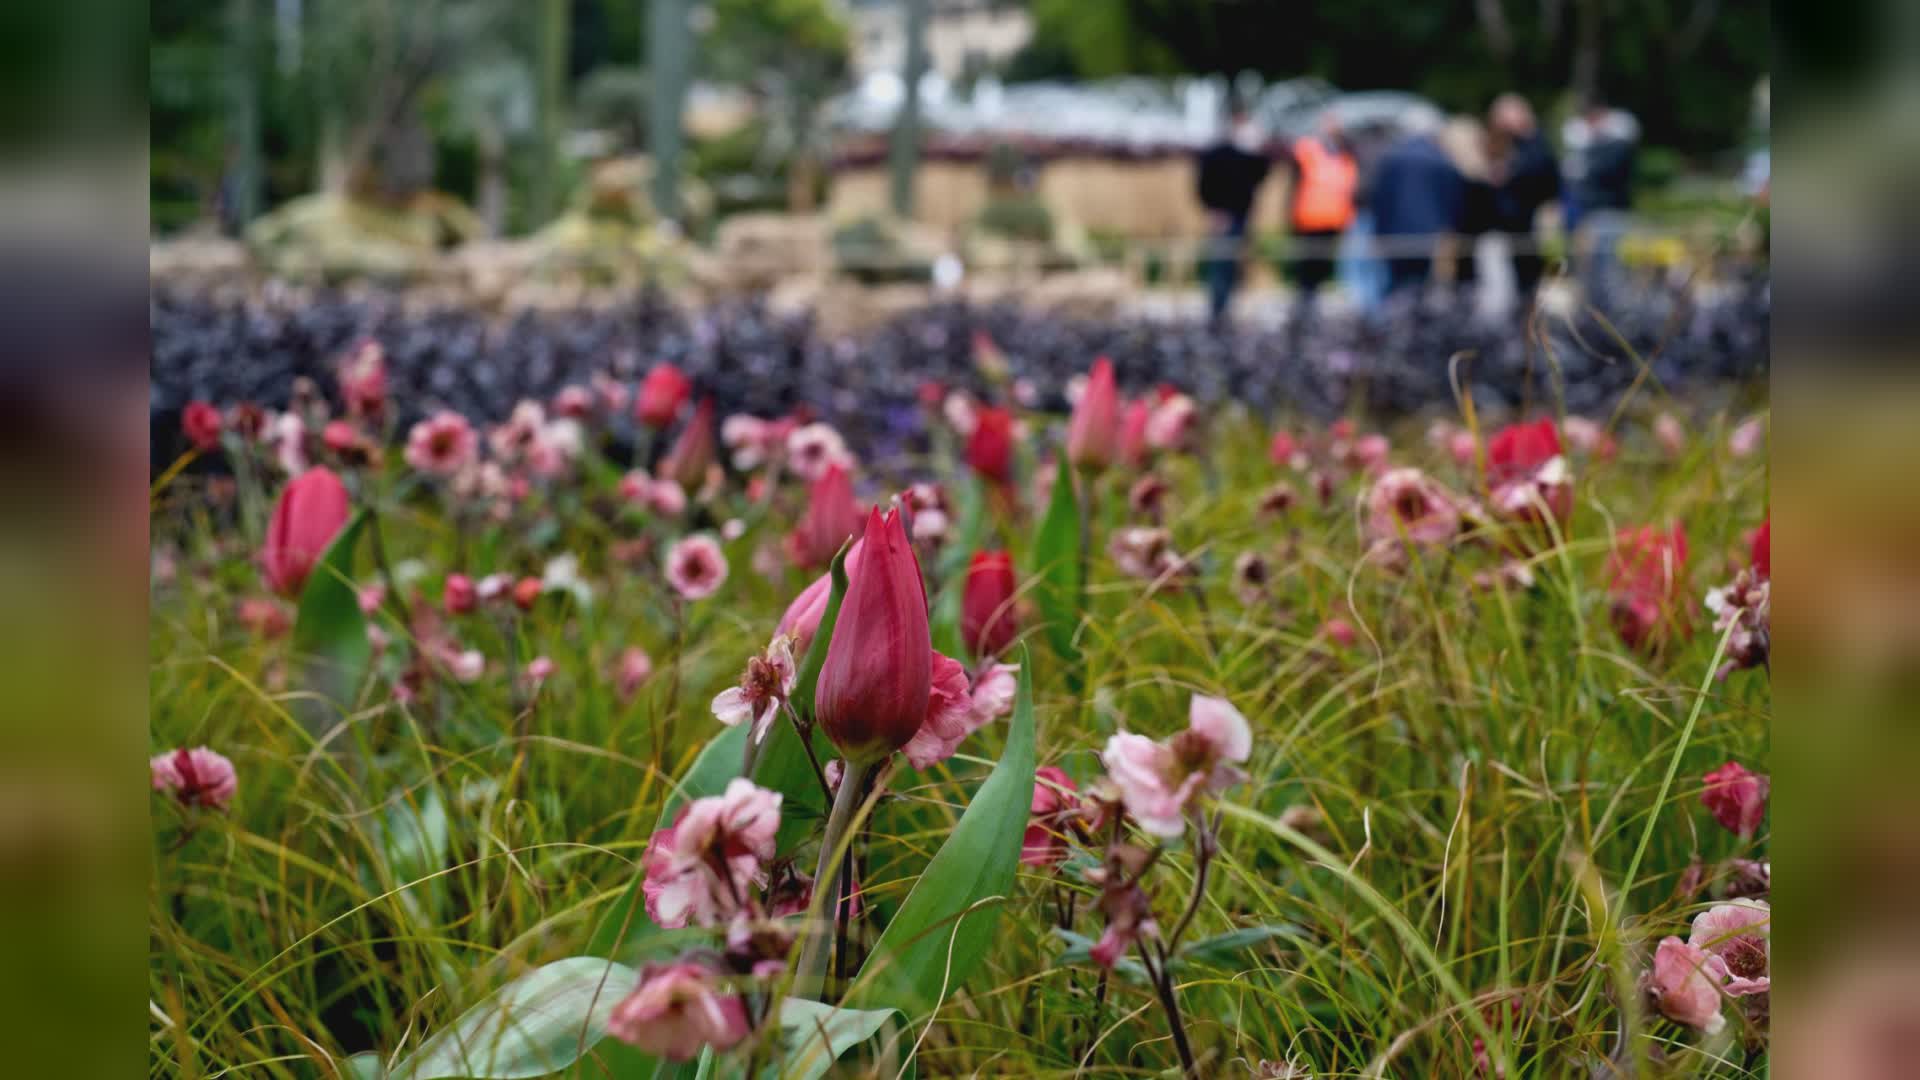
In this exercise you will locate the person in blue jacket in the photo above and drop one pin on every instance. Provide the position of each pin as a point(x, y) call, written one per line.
point(1417, 196)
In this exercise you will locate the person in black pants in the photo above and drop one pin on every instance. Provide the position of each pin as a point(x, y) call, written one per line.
point(1230, 173)
point(1526, 177)
point(1417, 195)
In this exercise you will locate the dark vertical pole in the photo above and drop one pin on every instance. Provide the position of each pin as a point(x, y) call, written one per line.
point(904, 155)
point(669, 60)
point(243, 116)
point(554, 26)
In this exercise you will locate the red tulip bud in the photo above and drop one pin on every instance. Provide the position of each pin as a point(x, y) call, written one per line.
point(662, 393)
point(878, 676)
point(1093, 435)
point(692, 452)
point(990, 447)
point(201, 422)
point(311, 510)
point(987, 620)
point(831, 517)
point(1763, 548)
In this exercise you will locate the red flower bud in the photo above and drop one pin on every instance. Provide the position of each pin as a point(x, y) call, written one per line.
point(311, 510)
point(1093, 435)
point(1517, 450)
point(693, 452)
point(201, 422)
point(525, 592)
point(831, 517)
point(878, 676)
point(1646, 581)
point(990, 447)
point(987, 621)
point(662, 393)
point(460, 596)
point(1763, 548)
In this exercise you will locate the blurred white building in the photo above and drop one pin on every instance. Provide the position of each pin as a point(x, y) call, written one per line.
point(964, 37)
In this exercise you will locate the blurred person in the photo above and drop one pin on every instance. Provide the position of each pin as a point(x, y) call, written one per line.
point(1465, 143)
point(1230, 174)
point(1417, 195)
point(1526, 177)
point(1325, 178)
point(1601, 146)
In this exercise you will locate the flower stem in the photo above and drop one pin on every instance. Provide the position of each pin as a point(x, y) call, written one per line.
point(812, 972)
point(1163, 986)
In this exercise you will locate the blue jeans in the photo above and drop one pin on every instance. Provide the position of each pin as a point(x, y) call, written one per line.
point(1221, 270)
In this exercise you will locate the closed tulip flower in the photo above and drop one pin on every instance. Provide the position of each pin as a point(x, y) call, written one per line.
point(1093, 435)
point(990, 447)
point(693, 452)
point(662, 393)
point(832, 516)
point(311, 511)
point(987, 621)
point(201, 423)
point(877, 679)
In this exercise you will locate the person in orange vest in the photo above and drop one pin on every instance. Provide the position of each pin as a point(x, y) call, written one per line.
point(1325, 180)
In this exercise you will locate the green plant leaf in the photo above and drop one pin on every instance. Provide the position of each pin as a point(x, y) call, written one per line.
point(330, 646)
point(539, 1023)
point(1224, 950)
point(413, 840)
point(626, 924)
point(816, 658)
point(813, 1036)
point(1080, 954)
point(1056, 566)
point(362, 1066)
point(945, 926)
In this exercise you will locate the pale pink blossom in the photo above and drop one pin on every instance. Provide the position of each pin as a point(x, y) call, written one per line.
point(1749, 437)
point(1145, 553)
point(538, 671)
point(1406, 502)
point(443, 444)
point(1157, 781)
point(1670, 434)
point(1170, 424)
point(370, 597)
point(960, 412)
point(950, 717)
point(696, 568)
point(663, 497)
point(677, 1010)
point(764, 688)
point(636, 667)
point(1370, 451)
point(289, 437)
point(196, 777)
point(815, 447)
point(993, 693)
point(467, 666)
point(611, 392)
point(1737, 935)
point(1685, 985)
point(1587, 436)
point(701, 869)
point(493, 587)
point(513, 439)
point(574, 402)
point(752, 442)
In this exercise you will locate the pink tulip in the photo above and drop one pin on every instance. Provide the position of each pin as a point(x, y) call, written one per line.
point(1093, 432)
point(311, 511)
point(875, 685)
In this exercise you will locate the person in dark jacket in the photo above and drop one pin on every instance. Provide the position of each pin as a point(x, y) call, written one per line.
point(1601, 145)
point(1417, 196)
point(1230, 173)
point(1526, 177)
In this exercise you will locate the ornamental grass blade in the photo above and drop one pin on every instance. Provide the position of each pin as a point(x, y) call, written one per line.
point(945, 926)
point(1056, 566)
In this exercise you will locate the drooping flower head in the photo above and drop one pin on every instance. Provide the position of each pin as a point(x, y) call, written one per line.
point(874, 687)
point(1159, 780)
point(702, 869)
point(764, 688)
point(196, 777)
point(1738, 936)
point(1685, 985)
point(1408, 503)
point(693, 452)
point(679, 1009)
point(1646, 576)
point(1527, 475)
point(1737, 798)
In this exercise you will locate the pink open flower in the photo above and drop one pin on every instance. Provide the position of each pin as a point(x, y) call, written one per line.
point(677, 1010)
point(701, 869)
point(1737, 936)
point(1406, 502)
point(1055, 799)
point(1736, 797)
point(950, 717)
point(196, 777)
point(764, 687)
point(442, 444)
point(1685, 985)
point(1158, 781)
point(695, 567)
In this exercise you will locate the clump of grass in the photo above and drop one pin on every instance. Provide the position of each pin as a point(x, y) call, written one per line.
point(1473, 820)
